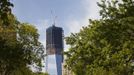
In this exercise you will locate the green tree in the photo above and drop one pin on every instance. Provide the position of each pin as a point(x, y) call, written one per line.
point(5, 13)
point(105, 46)
point(20, 51)
point(19, 45)
point(40, 73)
point(22, 71)
point(27, 71)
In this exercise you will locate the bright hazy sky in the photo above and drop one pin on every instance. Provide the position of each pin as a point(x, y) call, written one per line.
point(71, 14)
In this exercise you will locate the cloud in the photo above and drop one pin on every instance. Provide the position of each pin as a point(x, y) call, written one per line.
point(41, 26)
point(91, 12)
point(92, 9)
point(74, 26)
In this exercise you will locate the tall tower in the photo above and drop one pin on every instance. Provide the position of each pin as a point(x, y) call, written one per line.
point(54, 50)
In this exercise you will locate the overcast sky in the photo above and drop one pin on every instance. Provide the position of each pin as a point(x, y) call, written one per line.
point(71, 14)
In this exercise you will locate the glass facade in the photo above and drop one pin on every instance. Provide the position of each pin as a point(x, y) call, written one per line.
point(54, 66)
point(54, 50)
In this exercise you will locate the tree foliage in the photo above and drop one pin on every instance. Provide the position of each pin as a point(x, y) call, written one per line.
point(105, 46)
point(20, 48)
point(27, 71)
point(19, 44)
point(5, 12)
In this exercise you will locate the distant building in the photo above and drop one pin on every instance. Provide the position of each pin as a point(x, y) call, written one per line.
point(54, 50)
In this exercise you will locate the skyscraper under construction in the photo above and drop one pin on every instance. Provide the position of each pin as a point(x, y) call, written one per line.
point(54, 50)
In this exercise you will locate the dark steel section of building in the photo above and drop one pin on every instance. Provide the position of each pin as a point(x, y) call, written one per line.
point(54, 40)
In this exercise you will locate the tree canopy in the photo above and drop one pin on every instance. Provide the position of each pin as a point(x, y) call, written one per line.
point(19, 44)
point(105, 46)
